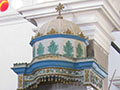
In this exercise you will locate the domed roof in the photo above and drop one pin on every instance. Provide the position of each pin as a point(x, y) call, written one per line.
point(59, 26)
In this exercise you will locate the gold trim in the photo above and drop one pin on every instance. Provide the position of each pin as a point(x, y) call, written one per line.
point(68, 32)
point(46, 75)
point(20, 79)
point(52, 68)
point(82, 35)
point(59, 8)
point(39, 34)
point(52, 31)
point(86, 75)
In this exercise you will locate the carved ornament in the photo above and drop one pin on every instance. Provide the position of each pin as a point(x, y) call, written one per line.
point(52, 31)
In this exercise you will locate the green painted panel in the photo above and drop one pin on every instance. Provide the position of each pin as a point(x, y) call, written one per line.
point(40, 49)
point(68, 49)
point(33, 52)
point(52, 48)
point(79, 51)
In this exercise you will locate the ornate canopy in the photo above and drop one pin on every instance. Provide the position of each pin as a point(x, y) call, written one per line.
point(59, 56)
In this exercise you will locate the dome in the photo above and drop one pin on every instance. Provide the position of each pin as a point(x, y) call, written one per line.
point(59, 26)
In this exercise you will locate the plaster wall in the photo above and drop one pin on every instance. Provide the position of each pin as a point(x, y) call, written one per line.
point(114, 62)
point(115, 4)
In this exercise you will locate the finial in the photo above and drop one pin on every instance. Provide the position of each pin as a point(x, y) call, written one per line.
point(59, 9)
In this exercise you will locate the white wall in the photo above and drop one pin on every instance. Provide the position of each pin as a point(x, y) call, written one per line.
point(14, 48)
point(114, 60)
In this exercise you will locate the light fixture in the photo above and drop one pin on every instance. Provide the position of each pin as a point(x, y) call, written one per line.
point(4, 5)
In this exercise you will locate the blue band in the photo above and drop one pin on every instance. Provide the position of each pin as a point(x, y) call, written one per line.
point(59, 36)
point(65, 64)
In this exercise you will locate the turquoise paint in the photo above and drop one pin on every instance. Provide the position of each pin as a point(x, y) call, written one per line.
point(59, 36)
point(79, 51)
point(68, 49)
point(52, 48)
point(33, 52)
point(40, 49)
point(65, 64)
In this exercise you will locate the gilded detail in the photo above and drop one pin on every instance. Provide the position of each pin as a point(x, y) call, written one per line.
point(37, 35)
point(67, 32)
point(59, 9)
point(82, 35)
point(63, 75)
point(95, 80)
point(52, 31)
point(86, 75)
point(20, 79)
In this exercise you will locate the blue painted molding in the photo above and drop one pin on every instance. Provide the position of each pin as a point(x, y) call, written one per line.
point(20, 70)
point(65, 64)
point(59, 36)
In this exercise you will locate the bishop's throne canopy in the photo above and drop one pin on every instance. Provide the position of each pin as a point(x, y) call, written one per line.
point(59, 59)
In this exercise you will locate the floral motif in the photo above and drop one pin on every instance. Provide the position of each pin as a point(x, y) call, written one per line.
point(52, 48)
point(79, 51)
point(40, 49)
point(68, 49)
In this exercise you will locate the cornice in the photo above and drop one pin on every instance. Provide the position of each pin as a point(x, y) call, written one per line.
point(37, 11)
point(73, 6)
point(11, 19)
point(111, 13)
point(63, 64)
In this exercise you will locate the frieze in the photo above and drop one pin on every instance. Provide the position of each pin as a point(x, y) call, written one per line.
point(66, 76)
point(93, 79)
point(68, 49)
point(54, 79)
point(54, 71)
